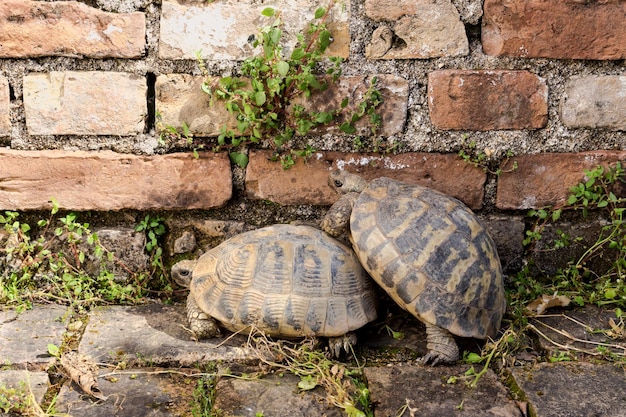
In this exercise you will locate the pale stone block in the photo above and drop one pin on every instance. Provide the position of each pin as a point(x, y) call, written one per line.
point(85, 103)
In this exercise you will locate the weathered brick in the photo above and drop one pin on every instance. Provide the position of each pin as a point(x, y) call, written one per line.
point(179, 99)
point(5, 107)
point(222, 30)
point(545, 179)
point(107, 180)
point(68, 28)
point(393, 110)
point(307, 183)
point(487, 100)
point(85, 103)
point(561, 29)
point(595, 102)
point(419, 29)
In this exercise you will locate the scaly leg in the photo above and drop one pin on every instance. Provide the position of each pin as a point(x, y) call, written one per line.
point(202, 325)
point(441, 347)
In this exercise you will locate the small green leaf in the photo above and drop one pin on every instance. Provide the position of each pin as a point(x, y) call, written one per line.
point(320, 12)
point(307, 383)
point(610, 293)
point(347, 128)
point(298, 54)
point(259, 98)
point(239, 158)
point(472, 357)
point(282, 68)
point(344, 102)
point(53, 350)
point(268, 12)
point(602, 203)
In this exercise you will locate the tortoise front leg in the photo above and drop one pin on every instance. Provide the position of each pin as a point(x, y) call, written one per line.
point(441, 347)
point(337, 218)
point(202, 325)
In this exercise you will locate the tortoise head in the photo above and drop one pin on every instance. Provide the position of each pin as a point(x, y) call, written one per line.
point(345, 182)
point(182, 272)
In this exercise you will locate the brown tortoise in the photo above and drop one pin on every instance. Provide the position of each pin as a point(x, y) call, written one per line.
point(428, 251)
point(285, 280)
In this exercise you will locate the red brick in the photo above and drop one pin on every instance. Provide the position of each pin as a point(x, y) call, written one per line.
point(545, 179)
point(307, 183)
point(555, 29)
point(107, 180)
point(487, 100)
point(68, 28)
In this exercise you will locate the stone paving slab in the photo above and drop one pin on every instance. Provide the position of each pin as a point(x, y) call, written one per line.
point(35, 382)
point(153, 334)
point(412, 390)
point(583, 328)
point(24, 337)
point(272, 395)
point(573, 389)
point(133, 393)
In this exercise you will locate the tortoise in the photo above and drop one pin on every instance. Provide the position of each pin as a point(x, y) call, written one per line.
point(287, 281)
point(428, 251)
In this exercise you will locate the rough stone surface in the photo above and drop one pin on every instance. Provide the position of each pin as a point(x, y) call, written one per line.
point(223, 30)
point(595, 102)
point(153, 392)
point(35, 382)
point(508, 235)
point(180, 100)
point(308, 182)
point(567, 29)
point(554, 389)
point(100, 180)
point(487, 100)
point(415, 29)
point(69, 28)
point(545, 179)
point(583, 233)
point(87, 103)
point(153, 334)
point(273, 395)
point(5, 107)
point(128, 247)
point(393, 110)
point(24, 337)
point(583, 329)
point(424, 391)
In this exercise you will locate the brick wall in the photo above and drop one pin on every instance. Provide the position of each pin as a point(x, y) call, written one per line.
point(81, 82)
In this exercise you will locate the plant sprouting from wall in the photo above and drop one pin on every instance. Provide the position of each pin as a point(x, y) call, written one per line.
point(264, 101)
point(595, 193)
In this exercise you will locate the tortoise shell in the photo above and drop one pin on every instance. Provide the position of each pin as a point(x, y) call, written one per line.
point(288, 281)
point(431, 254)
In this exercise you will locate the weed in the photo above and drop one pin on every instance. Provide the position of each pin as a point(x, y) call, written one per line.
point(577, 280)
point(265, 100)
point(482, 160)
point(344, 386)
point(60, 259)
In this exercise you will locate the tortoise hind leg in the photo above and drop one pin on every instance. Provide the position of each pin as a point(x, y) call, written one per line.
point(345, 343)
point(202, 325)
point(441, 347)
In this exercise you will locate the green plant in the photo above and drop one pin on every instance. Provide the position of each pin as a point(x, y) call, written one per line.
point(59, 259)
point(482, 160)
point(344, 386)
point(203, 398)
point(264, 101)
point(578, 280)
point(154, 229)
